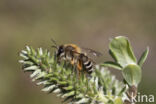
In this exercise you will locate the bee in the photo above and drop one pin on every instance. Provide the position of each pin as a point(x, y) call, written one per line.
point(76, 56)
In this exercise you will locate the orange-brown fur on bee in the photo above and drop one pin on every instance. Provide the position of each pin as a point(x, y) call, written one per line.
point(75, 56)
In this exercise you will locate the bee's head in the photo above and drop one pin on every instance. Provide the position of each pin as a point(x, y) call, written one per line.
point(60, 51)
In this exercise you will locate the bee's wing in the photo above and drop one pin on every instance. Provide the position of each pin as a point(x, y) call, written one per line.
point(92, 52)
point(84, 56)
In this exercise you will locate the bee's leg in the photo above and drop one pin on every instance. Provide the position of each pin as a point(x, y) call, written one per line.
point(72, 62)
point(79, 67)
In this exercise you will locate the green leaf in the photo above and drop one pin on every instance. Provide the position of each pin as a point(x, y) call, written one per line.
point(113, 56)
point(122, 51)
point(132, 74)
point(112, 65)
point(143, 57)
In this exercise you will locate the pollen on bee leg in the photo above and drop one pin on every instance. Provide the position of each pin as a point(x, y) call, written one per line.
point(79, 66)
point(72, 62)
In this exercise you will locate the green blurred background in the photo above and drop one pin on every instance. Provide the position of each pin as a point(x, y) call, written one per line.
point(88, 23)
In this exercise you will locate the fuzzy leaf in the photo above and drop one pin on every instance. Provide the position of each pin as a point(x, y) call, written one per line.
point(122, 51)
point(112, 64)
point(143, 57)
point(113, 56)
point(132, 74)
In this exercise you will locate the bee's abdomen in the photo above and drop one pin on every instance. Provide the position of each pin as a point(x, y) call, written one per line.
point(88, 66)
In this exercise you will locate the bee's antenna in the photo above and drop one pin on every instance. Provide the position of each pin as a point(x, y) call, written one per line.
point(55, 44)
point(54, 41)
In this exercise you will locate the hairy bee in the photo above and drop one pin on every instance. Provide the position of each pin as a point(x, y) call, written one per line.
point(76, 56)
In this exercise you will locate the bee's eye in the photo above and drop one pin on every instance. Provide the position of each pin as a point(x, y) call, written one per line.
point(61, 49)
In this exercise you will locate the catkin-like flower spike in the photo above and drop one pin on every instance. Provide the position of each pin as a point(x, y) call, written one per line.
point(101, 87)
